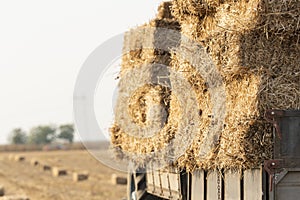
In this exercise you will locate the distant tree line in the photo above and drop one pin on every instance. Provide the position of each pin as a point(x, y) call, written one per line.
point(44, 134)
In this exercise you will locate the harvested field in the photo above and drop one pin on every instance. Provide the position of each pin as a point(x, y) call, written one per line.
point(22, 178)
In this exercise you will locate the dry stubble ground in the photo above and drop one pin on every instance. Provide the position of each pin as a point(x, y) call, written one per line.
point(21, 178)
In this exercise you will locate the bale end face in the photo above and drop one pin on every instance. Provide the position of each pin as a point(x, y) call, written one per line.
point(2, 191)
point(46, 167)
point(77, 177)
point(117, 180)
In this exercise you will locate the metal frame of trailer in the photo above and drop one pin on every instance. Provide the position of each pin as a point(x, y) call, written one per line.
point(276, 179)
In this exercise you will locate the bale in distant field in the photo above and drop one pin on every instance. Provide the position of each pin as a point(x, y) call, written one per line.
point(2, 191)
point(34, 162)
point(80, 176)
point(46, 167)
point(117, 180)
point(19, 158)
point(56, 172)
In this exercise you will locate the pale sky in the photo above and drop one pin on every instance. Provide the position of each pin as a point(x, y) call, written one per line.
point(42, 47)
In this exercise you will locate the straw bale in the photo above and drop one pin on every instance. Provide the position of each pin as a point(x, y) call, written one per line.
point(34, 162)
point(77, 177)
point(278, 63)
point(56, 172)
point(241, 115)
point(279, 16)
point(45, 167)
point(200, 88)
point(255, 46)
point(118, 180)
point(19, 158)
point(197, 8)
point(214, 16)
point(241, 142)
point(164, 11)
point(133, 52)
point(139, 106)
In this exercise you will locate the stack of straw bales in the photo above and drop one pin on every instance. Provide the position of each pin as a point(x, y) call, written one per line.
point(135, 55)
point(255, 46)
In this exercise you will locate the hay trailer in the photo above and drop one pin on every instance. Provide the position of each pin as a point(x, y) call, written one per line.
point(276, 179)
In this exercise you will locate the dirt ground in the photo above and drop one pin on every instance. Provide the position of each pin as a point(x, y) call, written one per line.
point(22, 178)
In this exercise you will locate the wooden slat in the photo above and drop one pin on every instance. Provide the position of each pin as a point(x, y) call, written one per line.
point(129, 178)
point(212, 185)
point(173, 178)
point(149, 178)
point(165, 185)
point(197, 185)
point(232, 181)
point(140, 177)
point(164, 180)
point(157, 182)
point(140, 194)
point(253, 184)
point(150, 183)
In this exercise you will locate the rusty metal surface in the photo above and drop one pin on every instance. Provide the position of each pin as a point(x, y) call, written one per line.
point(273, 116)
point(273, 166)
point(287, 145)
point(288, 185)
